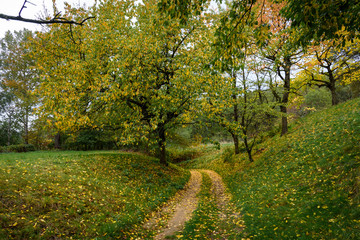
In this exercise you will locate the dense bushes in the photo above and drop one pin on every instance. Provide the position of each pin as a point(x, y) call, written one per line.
point(18, 148)
point(177, 155)
point(86, 146)
point(89, 140)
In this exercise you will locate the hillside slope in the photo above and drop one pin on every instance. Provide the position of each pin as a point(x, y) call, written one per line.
point(304, 185)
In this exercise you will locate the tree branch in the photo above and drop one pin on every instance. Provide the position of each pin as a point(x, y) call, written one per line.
point(23, 6)
point(41, 21)
point(246, 14)
point(182, 41)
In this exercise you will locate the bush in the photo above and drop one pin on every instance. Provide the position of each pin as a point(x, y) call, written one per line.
point(177, 155)
point(20, 148)
point(355, 89)
point(90, 140)
point(344, 93)
point(318, 99)
point(227, 154)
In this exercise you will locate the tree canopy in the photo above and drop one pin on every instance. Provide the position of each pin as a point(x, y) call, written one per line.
point(322, 18)
point(138, 71)
point(141, 70)
point(18, 78)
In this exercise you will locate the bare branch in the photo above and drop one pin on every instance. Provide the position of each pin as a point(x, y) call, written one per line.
point(22, 8)
point(55, 19)
point(41, 21)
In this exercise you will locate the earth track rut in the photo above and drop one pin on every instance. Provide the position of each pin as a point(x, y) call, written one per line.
point(185, 202)
point(180, 207)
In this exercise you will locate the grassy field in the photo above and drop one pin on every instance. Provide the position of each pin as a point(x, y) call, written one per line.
point(81, 195)
point(304, 185)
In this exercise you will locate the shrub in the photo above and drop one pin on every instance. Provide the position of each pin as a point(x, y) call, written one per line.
point(177, 155)
point(227, 154)
point(86, 140)
point(318, 99)
point(20, 148)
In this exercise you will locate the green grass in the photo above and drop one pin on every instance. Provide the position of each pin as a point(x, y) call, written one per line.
point(304, 185)
point(81, 195)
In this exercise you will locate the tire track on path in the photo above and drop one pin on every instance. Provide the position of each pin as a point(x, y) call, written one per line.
point(228, 213)
point(185, 202)
point(181, 207)
point(218, 189)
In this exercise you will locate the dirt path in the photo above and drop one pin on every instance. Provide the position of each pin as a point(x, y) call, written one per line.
point(228, 213)
point(185, 203)
point(180, 207)
point(218, 188)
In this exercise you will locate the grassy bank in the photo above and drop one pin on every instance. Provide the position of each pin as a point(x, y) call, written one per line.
point(45, 195)
point(304, 185)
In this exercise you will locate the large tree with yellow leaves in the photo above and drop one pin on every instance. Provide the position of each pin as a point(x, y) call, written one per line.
point(133, 70)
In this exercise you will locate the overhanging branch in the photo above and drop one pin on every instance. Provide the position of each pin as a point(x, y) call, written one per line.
point(41, 21)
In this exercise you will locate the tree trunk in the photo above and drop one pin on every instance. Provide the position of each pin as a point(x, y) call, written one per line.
point(332, 88)
point(248, 149)
point(162, 146)
point(334, 98)
point(236, 142)
point(9, 130)
point(26, 127)
point(57, 143)
point(9, 136)
point(284, 122)
point(236, 115)
point(258, 84)
point(285, 97)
